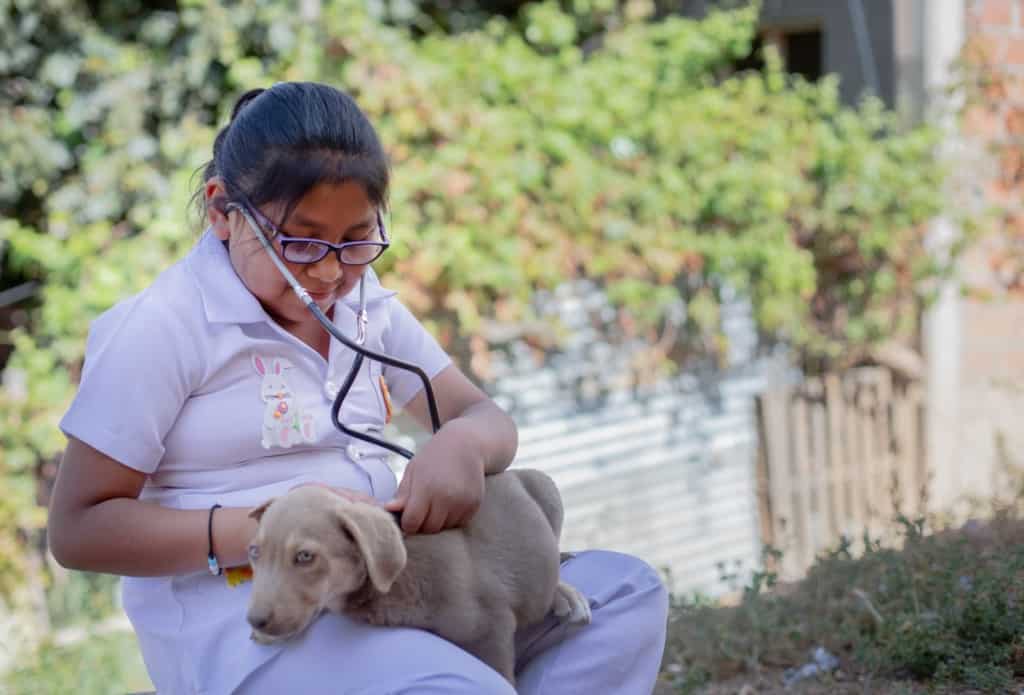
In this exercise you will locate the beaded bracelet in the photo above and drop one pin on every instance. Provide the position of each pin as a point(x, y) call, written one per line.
point(211, 559)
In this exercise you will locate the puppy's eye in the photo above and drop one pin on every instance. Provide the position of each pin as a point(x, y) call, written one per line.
point(254, 552)
point(303, 557)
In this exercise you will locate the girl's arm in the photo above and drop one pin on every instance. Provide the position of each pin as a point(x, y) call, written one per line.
point(443, 485)
point(98, 524)
point(463, 406)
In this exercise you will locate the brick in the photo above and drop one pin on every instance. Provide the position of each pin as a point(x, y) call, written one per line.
point(1013, 53)
point(995, 87)
point(1013, 224)
point(1013, 85)
point(998, 193)
point(984, 122)
point(995, 13)
point(980, 51)
point(1011, 165)
point(976, 50)
point(1014, 120)
point(983, 56)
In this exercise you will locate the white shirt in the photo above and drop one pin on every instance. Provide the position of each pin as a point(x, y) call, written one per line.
point(180, 381)
point(192, 383)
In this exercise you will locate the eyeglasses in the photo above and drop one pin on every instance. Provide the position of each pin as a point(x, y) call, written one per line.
point(306, 251)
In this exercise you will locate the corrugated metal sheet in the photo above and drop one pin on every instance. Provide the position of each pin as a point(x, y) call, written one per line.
point(665, 472)
point(668, 477)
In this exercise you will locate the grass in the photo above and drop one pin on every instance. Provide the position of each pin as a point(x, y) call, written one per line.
point(107, 664)
point(941, 614)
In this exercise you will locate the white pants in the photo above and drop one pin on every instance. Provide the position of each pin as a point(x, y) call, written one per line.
point(618, 652)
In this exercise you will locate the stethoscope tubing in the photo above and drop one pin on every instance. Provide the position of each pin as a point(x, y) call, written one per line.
point(354, 345)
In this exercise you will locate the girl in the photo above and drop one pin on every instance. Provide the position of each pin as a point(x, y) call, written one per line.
point(209, 393)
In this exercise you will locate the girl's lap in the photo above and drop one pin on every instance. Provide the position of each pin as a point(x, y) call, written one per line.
point(339, 655)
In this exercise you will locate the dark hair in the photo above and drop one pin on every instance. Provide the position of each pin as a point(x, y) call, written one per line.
point(283, 141)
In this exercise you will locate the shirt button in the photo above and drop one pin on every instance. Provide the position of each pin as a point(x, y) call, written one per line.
point(354, 452)
point(331, 389)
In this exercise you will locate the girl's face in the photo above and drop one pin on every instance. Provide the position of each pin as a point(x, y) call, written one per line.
point(330, 212)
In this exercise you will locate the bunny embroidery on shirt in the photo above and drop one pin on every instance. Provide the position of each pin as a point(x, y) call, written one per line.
point(284, 422)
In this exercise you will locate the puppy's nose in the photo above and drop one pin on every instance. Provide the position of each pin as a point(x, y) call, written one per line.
point(259, 620)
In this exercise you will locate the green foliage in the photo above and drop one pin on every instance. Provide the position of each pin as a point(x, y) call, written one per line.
point(81, 598)
point(99, 665)
point(520, 161)
point(943, 610)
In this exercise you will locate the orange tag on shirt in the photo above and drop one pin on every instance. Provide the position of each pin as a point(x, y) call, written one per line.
point(387, 399)
point(238, 575)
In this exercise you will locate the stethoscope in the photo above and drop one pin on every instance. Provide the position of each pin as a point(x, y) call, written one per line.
point(362, 320)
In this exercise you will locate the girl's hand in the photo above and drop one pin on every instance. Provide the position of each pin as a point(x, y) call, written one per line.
point(444, 484)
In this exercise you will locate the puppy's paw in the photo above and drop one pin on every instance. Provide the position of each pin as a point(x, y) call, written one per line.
point(570, 605)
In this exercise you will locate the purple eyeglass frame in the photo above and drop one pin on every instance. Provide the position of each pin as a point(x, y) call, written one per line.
point(285, 240)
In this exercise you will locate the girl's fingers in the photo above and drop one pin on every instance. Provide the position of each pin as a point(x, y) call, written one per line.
point(413, 515)
point(401, 498)
point(435, 521)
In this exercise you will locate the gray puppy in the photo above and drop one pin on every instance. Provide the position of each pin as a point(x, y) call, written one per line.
point(475, 586)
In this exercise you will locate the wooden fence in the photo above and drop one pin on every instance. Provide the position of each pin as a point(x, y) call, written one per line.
point(838, 456)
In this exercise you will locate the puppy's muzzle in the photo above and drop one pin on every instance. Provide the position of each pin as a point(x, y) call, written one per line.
point(259, 619)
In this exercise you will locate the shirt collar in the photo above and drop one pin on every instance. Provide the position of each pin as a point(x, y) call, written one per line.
point(225, 297)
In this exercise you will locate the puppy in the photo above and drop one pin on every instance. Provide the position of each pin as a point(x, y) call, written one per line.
point(475, 586)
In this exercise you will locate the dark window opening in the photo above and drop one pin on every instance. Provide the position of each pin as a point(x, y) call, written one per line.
point(802, 52)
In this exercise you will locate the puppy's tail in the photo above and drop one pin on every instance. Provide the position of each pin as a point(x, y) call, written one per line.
point(542, 489)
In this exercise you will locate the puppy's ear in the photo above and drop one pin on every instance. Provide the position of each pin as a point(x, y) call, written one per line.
point(378, 538)
point(258, 512)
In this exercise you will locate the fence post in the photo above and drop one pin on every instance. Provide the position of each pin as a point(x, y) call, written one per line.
point(775, 426)
point(839, 455)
